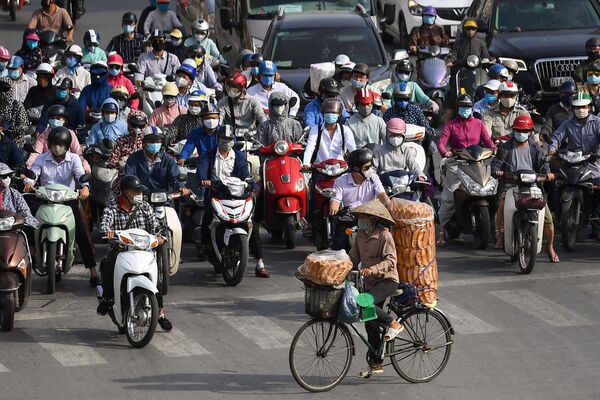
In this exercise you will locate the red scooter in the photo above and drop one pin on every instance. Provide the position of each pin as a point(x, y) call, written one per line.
point(284, 191)
point(12, 6)
point(324, 175)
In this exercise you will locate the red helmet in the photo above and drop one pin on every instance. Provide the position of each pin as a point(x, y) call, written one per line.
point(115, 59)
point(396, 125)
point(4, 54)
point(237, 80)
point(377, 100)
point(364, 96)
point(523, 123)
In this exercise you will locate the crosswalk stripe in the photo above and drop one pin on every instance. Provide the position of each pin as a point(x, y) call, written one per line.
point(464, 322)
point(3, 368)
point(533, 304)
point(176, 344)
point(261, 330)
point(592, 288)
point(66, 347)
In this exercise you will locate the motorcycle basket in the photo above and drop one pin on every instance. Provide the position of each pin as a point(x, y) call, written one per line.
point(529, 200)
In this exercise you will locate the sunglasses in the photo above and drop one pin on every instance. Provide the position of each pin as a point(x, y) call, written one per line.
point(114, 67)
point(470, 29)
point(593, 73)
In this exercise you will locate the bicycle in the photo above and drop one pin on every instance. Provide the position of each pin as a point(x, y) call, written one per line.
point(418, 354)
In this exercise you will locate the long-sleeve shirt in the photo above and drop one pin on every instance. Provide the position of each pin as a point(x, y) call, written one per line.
point(248, 112)
point(464, 47)
point(313, 115)
point(92, 96)
point(418, 95)
point(259, 92)
point(158, 174)
point(80, 77)
point(499, 124)
point(49, 171)
point(206, 76)
point(555, 116)
point(13, 201)
point(581, 136)
point(330, 147)
point(10, 154)
point(115, 218)
point(164, 116)
point(75, 114)
point(461, 133)
point(130, 50)
point(411, 115)
point(164, 21)
point(369, 129)
point(41, 146)
point(387, 158)
point(21, 86)
point(378, 252)
point(428, 35)
point(200, 141)
point(149, 64)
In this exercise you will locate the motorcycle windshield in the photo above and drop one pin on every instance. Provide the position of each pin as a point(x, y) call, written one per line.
point(480, 172)
point(434, 73)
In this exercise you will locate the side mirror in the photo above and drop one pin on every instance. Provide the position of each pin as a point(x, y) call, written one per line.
point(226, 48)
point(85, 178)
point(170, 78)
point(182, 177)
point(28, 147)
point(537, 118)
point(389, 14)
point(293, 101)
point(386, 96)
point(132, 67)
point(134, 96)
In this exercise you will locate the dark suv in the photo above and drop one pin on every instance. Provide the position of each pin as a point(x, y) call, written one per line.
point(545, 37)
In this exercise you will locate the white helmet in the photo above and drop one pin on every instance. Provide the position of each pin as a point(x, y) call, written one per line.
point(75, 50)
point(200, 25)
point(342, 59)
point(493, 84)
point(509, 87)
point(44, 68)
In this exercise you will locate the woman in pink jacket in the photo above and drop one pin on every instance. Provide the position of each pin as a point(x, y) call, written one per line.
point(116, 78)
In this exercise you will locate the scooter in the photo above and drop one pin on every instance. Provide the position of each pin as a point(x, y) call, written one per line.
point(151, 96)
point(470, 76)
point(15, 268)
point(524, 218)
point(433, 78)
point(244, 142)
point(284, 191)
point(54, 46)
point(472, 198)
point(55, 239)
point(102, 178)
point(135, 311)
point(230, 231)
point(12, 6)
point(402, 184)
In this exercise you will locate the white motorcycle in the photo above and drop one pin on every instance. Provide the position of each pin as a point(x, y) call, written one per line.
point(135, 311)
point(151, 96)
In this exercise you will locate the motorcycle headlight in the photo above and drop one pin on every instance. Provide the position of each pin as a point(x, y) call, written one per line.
point(141, 241)
point(472, 61)
point(281, 147)
point(300, 185)
point(476, 189)
point(6, 223)
point(270, 187)
point(415, 8)
point(22, 267)
point(158, 197)
point(332, 170)
point(237, 190)
point(528, 178)
point(56, 196)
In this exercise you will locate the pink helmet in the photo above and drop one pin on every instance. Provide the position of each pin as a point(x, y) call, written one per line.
point(396, 126)
point(115, 59)
point(4, 54)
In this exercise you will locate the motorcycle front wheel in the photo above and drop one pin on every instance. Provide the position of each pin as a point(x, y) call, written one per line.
point(234, 265)
point(51, 267)
point(569, 223)
point(527, 248)
point(140, 322)
point(7, 311)
point(163, 267)
point(289, 232)
point(12, 9)
point(481, 229)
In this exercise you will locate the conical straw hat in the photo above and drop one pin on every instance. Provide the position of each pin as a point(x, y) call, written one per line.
point(375, 208)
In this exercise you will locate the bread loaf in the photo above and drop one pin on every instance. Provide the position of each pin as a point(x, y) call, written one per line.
point(326, 267)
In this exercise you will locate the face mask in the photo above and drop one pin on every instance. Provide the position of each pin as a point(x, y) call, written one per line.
point(169, 101)
point(55, 123)
point(199, 61)
point(181, 82)
point(403, 77)
point(148, 49)
point(58, 151)
point(365, 224)
point(566, 100)
point(267, 80)
point(225, 145)
point(254, 71)
point(357, 84)
point(465, 112)
point(278, 110)
point(109, 118)
point(176, 42)
point(428, 19)
point(137, 131)
point(31, 44)
point(520, 137)
point(364, 110)
point(158, 46)
point(122, 104)
point(14, 74)
point(153, 3)
point(61, 94)
point(508, 102)
point(368, 173)
point(163, 7)
point(330, 118)
point(211, 123)
point(490, 98)
point(6, 181)
point(396, 141)
point(114, 71)
point(71, 62)
point(195, 110)
point(233, 93)
point(593, 80)
point(345, 83)
point(137, 199)
point(153, 148)
point(3, 65)
point(200, 36)
point(581, 113)
point(402, 103)
point(128, 28)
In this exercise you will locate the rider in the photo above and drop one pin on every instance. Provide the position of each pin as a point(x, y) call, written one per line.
point(92, 52)
point(73, 70)
point(185, 123)
point(116, 77)
point(592, 84)
point(93, 95)
point(166, 114)
point(268, 85)
point(30, 51)
point(499, 120)
point(405, 110)
point(44, 92)
point(200, 30)
point(496, 72)
point(127, 211)
point(60, 166)
point(517, 154)
point(582, 133)
point(175, 44)
point(13, 117)
point(119, 93)
point(111, 127)
point(144, 15)
point(129, 44)
point(459, 133)
point(344, 74)
point(328, 88)
point(53, 18)
point(559, 112)
point(404, 70)
point(339, 62)
point(359, 80)
point(592, 49)
point(375, 250)
point(63, 96)
point(11, 199)
point(21, 82)
point(366, 126)
point(491, 89)
point(157, 61)
point(238, 109)
point(428, 34)
point(9, 152)
point(203, 138)
point(392, 156)
point(205, 75)
point(162, 19)
point(186, 82)
point(255, 60)
point(279, 126)
point(132, 142)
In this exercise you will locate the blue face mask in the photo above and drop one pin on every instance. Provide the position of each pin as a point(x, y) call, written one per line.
point(428, 19)
point(153, 148)
point(14, 74)
point(71, 62)
point(254, 70)
point(163, 7)
point(593, 80)
point(357, 84)
point(31, 44)
point(520, 137)
point(267, 79)
point(490, 98)
point(465, 112)
point(128, 28)
point(402, 103)
point(61, 94)
point(114, 71)
point(54, 123)
point(330, 118)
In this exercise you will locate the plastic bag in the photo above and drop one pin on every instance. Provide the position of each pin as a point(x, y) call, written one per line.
point(326, 267)
point(348, 310)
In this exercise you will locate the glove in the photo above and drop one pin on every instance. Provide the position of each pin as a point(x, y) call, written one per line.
point(434, 107)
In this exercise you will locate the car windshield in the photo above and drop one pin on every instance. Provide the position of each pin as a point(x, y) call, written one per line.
point(260, 8)
point(541, 15)
point(303, 47)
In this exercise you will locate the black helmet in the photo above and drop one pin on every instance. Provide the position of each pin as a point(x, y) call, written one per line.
point(57, 110)
point(404, 67)
point(331, 106)
point(225, 132)
point(568, 87)
point(129, 17)
point(59, 136)
point(110, 107)
point(464, 100)
point(593, 66)
point(362, 68)
point(196, 50)
point(131, 182)
point(65, 83)
point(358, 158)
point(329, 85)
point(256, 59)
point(593, 41)
point(137, 120)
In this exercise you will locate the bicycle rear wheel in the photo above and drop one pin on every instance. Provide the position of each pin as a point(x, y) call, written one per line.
point(321, 354)
point(421, 351)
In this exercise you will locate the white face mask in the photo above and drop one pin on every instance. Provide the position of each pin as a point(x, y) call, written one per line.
point(181, 82)
point(581, 113)
point(58, 151)
point(195, 110)
point(6, 182)
point(403, 77)
point(396, 141)
point(508, 102)
point(211, 123)
point(233, 93)
point(368, 173)
point(170, 101)
point(109, 118)
point(137, 199)
point(137, 131)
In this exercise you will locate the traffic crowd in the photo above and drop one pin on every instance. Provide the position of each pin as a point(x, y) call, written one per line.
point(95, 90)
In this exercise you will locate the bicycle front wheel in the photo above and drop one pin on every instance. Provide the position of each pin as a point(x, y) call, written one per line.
point(321, 354)
point(421, 351)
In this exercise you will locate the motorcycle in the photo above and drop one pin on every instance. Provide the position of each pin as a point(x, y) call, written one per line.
point(524, 218)
point(244, 142)
point(103, 178)
point(12, 6)
point(575, 189)
point(151, 96)
point(284, 191)
point(15, 268)
point(135, 311)
point(230, 231)
point(75, 8)
point(470, 76)
point(433, 78)
point(476, 189)
point(54, 46)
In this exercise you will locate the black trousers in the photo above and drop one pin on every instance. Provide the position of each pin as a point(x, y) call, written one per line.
point(380, 292)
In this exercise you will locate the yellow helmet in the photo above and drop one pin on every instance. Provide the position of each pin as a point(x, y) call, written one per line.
point(469, 23)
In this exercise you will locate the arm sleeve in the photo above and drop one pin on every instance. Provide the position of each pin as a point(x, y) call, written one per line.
point(141, 67)
point(354, 253)
point(414, 37)
point(377, 185)
point(91, 139)
point(310, 116)
point(33, 23)
point(488, 120)
point(16, 155)
point(350, 143)
point(43, 122)
point(558, 136)
point(497, 162)
point(310, 146)
point(188, 148)
point(420, 96)
point(443, 141)
point(173, 169)
point(107, 220)
point(38, 146)
point(411, 163)
point(388, 255)
point(547, 127)
point(148, 23)
point(486, 139)
point(339, 190)
point(36, 167)
point(78, 170)
point(258, 111)
point(129, 166)
point(293, 110)
point(203, 170)
point(111, 45)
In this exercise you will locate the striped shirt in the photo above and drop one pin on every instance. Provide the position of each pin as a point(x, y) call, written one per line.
point(130, 50)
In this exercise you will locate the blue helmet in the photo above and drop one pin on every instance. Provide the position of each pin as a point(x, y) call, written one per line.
point(568, 87)
point(498, 71)
point(110, 106)
point(256, 58)
point(246, 58)
point(429, 10)
point(15, 62)
point(187, 69)
point(267, 68)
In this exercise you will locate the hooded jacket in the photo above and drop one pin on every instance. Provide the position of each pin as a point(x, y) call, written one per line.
point(93, 95)
point(121, 80)
point(279, 127)
point(104, 130)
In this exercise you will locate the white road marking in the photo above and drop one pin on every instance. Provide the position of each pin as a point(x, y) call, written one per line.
point(3, 368)
point(261, 330)
point(540, 307)
point(464, 322)
point(66, 347)
point(176, 344)
point(517, 278)
point(592, 288)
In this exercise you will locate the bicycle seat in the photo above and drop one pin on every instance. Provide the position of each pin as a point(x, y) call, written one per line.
point(398, 292)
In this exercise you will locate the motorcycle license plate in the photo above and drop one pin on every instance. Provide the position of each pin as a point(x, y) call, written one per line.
point(453, 30)
point(556, 82)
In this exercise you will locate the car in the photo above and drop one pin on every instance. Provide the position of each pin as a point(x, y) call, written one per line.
point(294, 41)
point(399, 17)
point(546, 38)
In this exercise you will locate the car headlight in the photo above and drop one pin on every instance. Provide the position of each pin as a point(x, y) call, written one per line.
point(415, 8)
point(56, 196)
point(521, 63)
point(158, 197)
point(257, 44)
point(472, 61)
point(6, 223)
point(528, 178)
point(281, 147)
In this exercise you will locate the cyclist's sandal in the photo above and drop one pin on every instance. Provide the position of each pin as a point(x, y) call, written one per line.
point(374, 369)
point(392, 333)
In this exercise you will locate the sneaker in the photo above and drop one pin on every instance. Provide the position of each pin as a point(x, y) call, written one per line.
point(261, 272)
point(165, 324)
point(104, 306)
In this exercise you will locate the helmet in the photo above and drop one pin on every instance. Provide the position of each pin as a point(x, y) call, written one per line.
point(396, 125)
point(65, 83)
point(348, 67)
point(568, 87)
point(44, 68)
point(329, 85)
point(523, 123)
point(377, 100)
point(170, 89)
point(31, 34)
point(404, 67)
point(74, 50)
point(57, 110)
point(137, 120)
point(200, 25)
point(91, 37)
point(256, 59)
point(331, 106)
point(361, 68)
point(15, 62)
point(359, 157)
point(110, 106)
point(158, 34)
point(509, 87)
point(342, 59)
point(364, 96)
point(119, 92)
point(115, 59)
point(592, 42)
point(267, 68)
point(99, 68)
point(198, 95)
point(492, 84)
point(595, 66)
point(244, 57)
point(429, 10)
point(496, 70)
point(176, 33)
point(210, 109)
point(469, 23)
point(196, 50)
point(464, 100)
point(131, 182)
point(582, 99)
point(225, 132)
point(4, 54)
point(128, 18)
point(188, 68)
point(59, 136)
point(511, 65)
point(402, 91)
point(237, 80)
point(152, 132)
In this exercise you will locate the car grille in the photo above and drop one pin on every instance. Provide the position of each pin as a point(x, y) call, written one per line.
point(546, 68)
point(452, 14)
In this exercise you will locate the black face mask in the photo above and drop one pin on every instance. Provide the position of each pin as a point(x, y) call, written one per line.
point(158, 46)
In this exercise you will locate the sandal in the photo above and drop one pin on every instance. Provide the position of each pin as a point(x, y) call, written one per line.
point(392, 333)
point(441, 242)
point(553, 259)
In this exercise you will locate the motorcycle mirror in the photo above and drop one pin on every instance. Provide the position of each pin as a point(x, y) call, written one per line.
point(386, 96)
point(182, 177)
point(85, 178)
point(22, 170)
point(537, 118)
point(227, 48)
point(28, 147)
point(293, 102)
point(132, 67)
point(170, 78)
point(134, 96)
